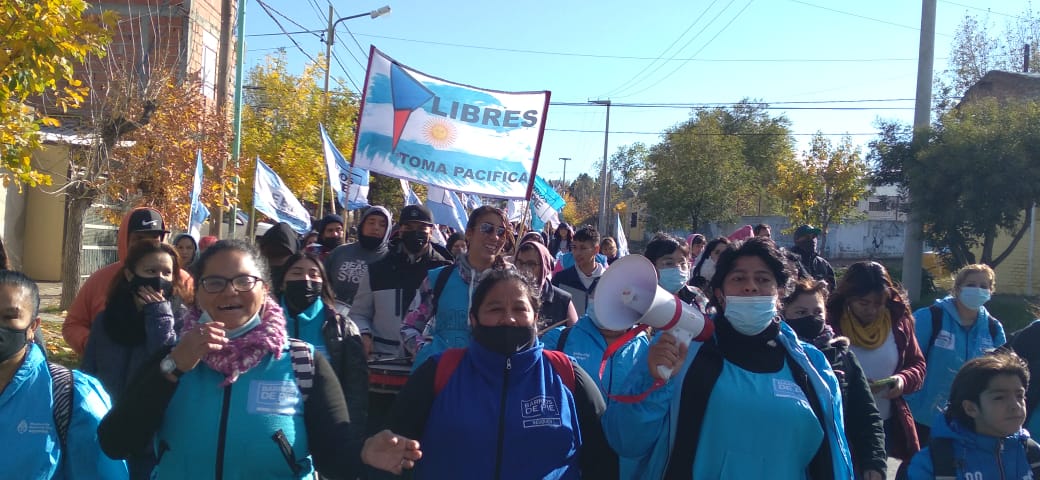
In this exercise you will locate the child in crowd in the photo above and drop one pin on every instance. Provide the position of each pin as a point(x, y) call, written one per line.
point(980, 436)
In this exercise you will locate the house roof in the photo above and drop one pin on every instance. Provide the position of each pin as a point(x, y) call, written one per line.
point(1004, 86)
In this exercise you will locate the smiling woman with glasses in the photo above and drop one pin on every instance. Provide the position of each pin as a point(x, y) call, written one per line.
point(235, 396)
point(438, 319)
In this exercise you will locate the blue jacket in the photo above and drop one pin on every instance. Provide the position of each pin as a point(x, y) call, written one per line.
point(587, 346)
point(953, 347)
point(980, 457)
point(263, 400)
point(646, 430)
point(566, 260)
point(515, 405)
point(114, 363)
point(31, 445)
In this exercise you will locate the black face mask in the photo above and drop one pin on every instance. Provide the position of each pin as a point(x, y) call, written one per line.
point(807, 327)
point(415, 241)
point(330, 242)
point(12, 342)
point(301, 294)
point(505, 340)
point(369, 243)
point(158, 284)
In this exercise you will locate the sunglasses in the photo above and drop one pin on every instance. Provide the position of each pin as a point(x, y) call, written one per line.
point(487, 228)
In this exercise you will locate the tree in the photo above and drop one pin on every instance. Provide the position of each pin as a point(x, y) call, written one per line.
point(44, 41)
point(697, 174)
point(979, 176)
point(823, 187)
point(280, 121)
point(765, 143)
point(628, 165)
point(129, 80)
point(159, 167)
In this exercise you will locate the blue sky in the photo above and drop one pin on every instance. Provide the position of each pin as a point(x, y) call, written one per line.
point(665, 51)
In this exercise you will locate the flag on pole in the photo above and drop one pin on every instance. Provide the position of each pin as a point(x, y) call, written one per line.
point(198, 212)
point(515, 210)
point(349, 184)
point(470, 201)
point(546, 205)
point(622, 242)
point(410, 198)
point(449, 135)
point(445, 207)
point(272, 198)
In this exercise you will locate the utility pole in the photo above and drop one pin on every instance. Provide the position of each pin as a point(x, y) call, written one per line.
point(221, 92)
point(564, 160)
point(236, 120)
point(914, 246)
point(603, 173)
point(328, 66)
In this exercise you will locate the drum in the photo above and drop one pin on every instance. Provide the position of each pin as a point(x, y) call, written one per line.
point(388, 375)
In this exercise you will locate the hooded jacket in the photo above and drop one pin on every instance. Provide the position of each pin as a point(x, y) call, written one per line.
point(194, 256)
point(556, 303)
point(978, 457)
point(954, 345)
point(556, 244)
point(32, 447)
point(385, 293)
point(281, 236)
point(93, 294)
point(348, 264)
point(647, 430)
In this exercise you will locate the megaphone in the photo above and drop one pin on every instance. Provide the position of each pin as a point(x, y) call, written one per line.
point(628, 294)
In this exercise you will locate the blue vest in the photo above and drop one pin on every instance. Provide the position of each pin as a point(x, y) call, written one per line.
point(513, 416)
point(262, 401)
point(772, 406)
point(451, 327)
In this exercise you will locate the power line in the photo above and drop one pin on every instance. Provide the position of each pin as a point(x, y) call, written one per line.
point(683, 64)
point(864, 17)
point(632, 57)
point(665, 51)
point(352, 82)
point(713, 134)
point(987, 10)
point(273, 34)
point(268, 10)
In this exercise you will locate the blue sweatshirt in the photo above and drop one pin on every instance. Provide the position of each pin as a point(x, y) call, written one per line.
point(520, 421)
point(979, 457)
point(646, 430)
point(954, 346)
point(586, 344)
point(33, 449)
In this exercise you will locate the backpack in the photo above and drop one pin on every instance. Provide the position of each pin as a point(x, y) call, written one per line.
point(62, 392)
point(937, 316)
point(945, 464)
point(562, 342)
point(302, 365)
point(438, 286)
point(450, 359)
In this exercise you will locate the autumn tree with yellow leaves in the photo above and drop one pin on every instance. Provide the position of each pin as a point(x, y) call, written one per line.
point(823, 187)
point(280, 121)
point(44, 41)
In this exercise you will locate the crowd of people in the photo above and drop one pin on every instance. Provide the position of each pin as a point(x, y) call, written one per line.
point(384, 353)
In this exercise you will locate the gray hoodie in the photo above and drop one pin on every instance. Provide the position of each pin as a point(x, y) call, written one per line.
point(347, 264)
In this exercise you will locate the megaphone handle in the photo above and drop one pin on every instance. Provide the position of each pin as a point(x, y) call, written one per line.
point(664, 372)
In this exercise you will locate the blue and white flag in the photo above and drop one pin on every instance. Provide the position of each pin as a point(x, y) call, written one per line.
point(350, 184)
point(198, 213)
point(446, 208)
point(546, 205)
point(426, 129)
point(515, 210)
point(272, 198)
point(622, 242)
point(471, 201)
point(410, 198)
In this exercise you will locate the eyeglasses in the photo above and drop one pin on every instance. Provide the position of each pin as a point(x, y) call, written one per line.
point(241, 283)
point(487, 228)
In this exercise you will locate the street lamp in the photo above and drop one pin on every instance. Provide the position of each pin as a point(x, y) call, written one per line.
point(603, 174)
point(564, 160)
point(330, 38)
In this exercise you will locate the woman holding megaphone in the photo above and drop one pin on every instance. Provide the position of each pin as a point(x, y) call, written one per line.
point(764, 405)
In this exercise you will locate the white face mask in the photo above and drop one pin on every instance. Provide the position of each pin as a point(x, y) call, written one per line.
point(750, 315)
point(708, 269)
